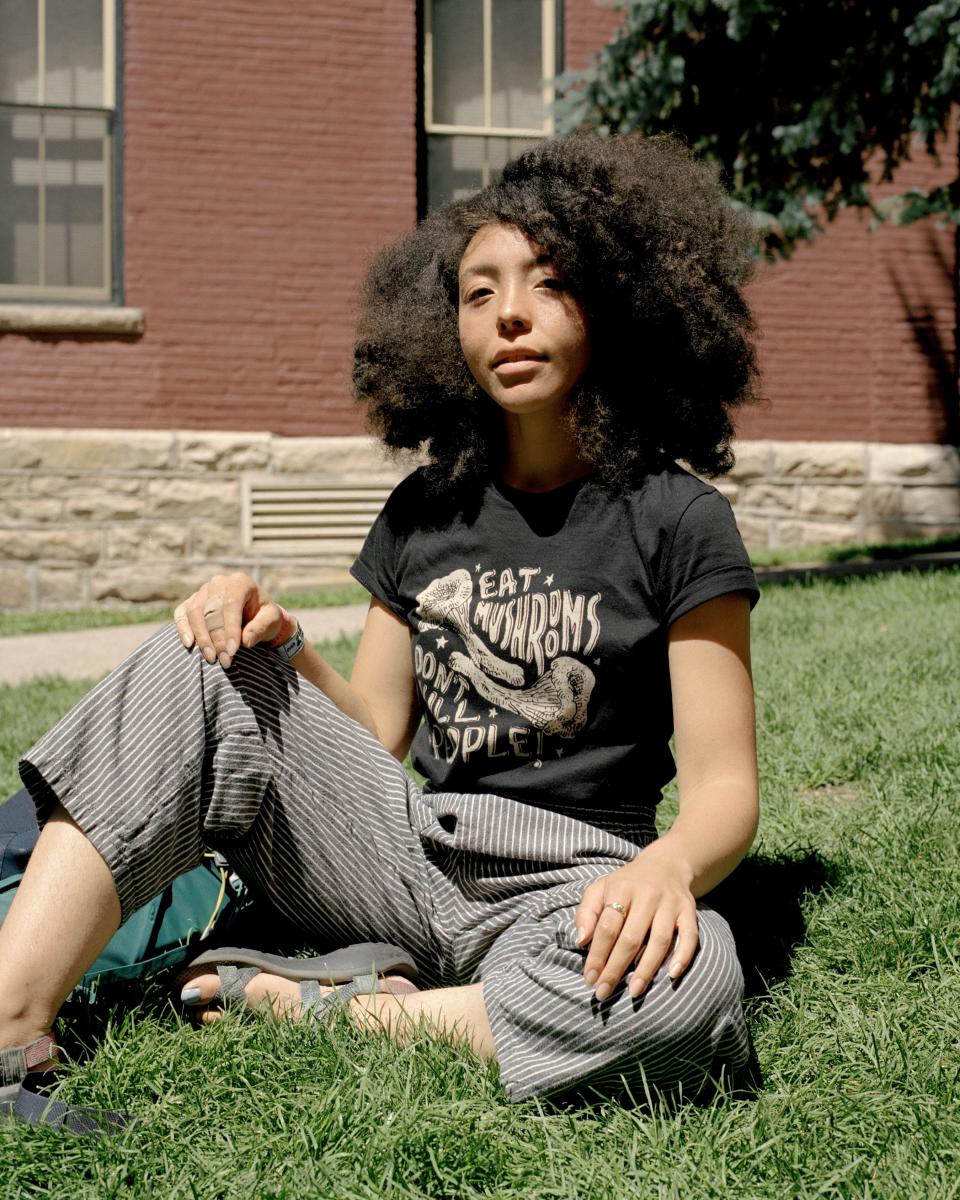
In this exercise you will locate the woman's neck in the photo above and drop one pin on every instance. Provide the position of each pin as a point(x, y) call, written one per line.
point(539, 454)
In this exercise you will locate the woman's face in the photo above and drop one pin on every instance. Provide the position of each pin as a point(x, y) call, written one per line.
point(524, 336)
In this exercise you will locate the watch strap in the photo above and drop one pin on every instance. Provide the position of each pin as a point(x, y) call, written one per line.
point(293, 645)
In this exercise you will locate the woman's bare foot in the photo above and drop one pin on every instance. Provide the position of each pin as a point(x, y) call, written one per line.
point(264, 992)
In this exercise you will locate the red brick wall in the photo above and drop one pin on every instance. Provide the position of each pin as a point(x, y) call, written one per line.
point(269, 148)
point(858, 328)
point(587, 26)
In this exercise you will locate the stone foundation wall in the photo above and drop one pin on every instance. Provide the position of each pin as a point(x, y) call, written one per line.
point(100, 516)
point(842, 493)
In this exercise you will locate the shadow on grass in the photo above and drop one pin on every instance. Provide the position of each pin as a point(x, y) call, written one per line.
point(763, 902)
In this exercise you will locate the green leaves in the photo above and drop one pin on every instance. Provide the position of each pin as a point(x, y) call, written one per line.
point(791, 99)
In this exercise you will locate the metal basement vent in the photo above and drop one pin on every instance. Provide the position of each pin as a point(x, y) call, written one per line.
point(310, 516)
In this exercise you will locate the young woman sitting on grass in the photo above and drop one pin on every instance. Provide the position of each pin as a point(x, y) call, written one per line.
point(552, 597)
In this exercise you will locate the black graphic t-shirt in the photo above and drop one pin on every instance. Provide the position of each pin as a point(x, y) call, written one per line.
point(540, 622)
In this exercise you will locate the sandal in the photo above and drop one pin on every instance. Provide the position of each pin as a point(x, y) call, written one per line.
point(25, 1094)
point(353, 971)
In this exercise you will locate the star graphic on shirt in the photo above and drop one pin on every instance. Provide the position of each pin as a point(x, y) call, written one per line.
point(476, 566)
point(491, 712)
point(548, 582)
point(559, 752)
point(596, 662)
point(441, 642)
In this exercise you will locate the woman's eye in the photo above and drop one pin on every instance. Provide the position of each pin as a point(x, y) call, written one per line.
point(553, 284)
point(476, 294)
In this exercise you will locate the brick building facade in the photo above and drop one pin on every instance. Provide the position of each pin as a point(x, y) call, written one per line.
point(265, 152)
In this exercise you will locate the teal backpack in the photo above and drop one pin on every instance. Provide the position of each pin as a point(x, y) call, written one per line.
point(162, 934)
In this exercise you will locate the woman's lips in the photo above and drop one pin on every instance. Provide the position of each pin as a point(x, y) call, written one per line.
point(509, 367)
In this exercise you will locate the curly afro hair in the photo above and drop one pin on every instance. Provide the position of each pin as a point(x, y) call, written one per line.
point(646, 240)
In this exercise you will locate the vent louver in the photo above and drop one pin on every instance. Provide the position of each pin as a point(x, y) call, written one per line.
point(310, 516)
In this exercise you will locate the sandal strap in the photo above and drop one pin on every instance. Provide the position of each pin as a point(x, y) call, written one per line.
point(233, 983)
point(17, 1061)
point(321, 1008)
point(33, 1107)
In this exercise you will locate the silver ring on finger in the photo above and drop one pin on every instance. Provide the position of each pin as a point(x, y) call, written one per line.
point(616, 906)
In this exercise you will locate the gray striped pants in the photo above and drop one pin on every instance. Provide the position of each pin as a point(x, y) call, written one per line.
point(169, 756)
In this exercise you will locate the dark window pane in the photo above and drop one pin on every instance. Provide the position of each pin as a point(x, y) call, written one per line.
point(19, 198)
point(459, 165)
point(18, 51)
point(457, 27)
point(76, 187)
point(455, 167)
point(74, 73)
point(517, 101)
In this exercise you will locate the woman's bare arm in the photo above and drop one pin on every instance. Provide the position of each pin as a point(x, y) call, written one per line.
point(230, 611)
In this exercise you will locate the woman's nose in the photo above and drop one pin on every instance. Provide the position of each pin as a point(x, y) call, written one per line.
point(512, 314)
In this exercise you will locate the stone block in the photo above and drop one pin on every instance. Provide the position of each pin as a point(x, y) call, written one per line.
point(18, 449)
point(941, 503)
point(335, 456)
point(142, 584)
point(815, 533)
point(223, 451)
point(915, 463)
point(825, 500)
point(726, 487)
point(883, 500)
point(301, 577)
point(753, 460)
point(34, 545)
point(210, 538)
point(102, 450)
point(155, 541)
point(775, 497)
point(29, 510)
point(754, 530)
point(893, 529)
point(820, 460)
point(194, 498)
point(15, 589)
point(106, 506)
point(80, 486)
point(13, 484)
point(60, 585)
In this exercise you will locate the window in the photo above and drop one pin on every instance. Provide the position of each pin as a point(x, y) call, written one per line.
point(57, 114)
point(488, 72)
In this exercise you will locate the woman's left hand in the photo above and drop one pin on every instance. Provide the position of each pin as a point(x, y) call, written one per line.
point(657, 906)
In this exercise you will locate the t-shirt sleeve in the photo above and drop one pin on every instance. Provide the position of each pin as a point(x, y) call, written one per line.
point(376, 564)
point(707, 558)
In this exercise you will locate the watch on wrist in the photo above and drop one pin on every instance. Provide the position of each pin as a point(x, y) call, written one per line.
point(293, 645)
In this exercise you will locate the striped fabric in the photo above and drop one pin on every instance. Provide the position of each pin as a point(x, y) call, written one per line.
point(169, 756)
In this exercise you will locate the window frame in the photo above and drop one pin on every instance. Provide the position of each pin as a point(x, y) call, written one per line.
point(551, 25)
point(111, 291)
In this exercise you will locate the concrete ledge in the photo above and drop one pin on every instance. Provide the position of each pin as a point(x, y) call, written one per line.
point(71, 318)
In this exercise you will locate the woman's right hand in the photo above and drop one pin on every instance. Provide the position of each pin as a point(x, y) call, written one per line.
point(227, 612)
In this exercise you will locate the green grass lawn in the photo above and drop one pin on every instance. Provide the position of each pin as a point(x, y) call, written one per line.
point(848, 920)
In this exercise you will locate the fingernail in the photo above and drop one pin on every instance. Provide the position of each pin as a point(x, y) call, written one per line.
point(637, 986)
point(190, 996)
point(675, 968)
point(591, 977)
point(224, 660)
point(581, 935)
point(209, 654)
point(603, 991)
point(232, 647)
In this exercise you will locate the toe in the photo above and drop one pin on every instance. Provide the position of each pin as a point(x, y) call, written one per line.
point(198, 989)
